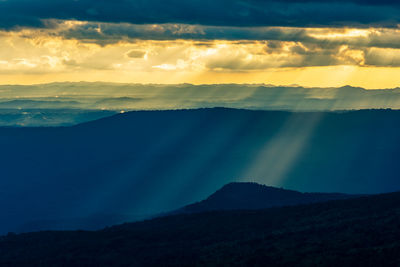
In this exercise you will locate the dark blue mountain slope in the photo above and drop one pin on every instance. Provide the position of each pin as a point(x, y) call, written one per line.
point(146, 162)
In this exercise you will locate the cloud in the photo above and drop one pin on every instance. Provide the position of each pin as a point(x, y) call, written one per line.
point(81, 50)
point(294, 13)
point(136, 53)
point(282, 55)
point(111, 33)
point(382, 57)
point(54, 50)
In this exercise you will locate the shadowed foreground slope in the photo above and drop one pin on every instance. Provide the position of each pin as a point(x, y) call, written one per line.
point(354, 232)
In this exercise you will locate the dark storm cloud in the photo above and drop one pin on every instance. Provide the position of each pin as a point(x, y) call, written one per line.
point(299, 13)
point(105, 33)
point(109, 33)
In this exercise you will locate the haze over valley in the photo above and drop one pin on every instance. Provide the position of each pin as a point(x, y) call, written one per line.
point(62, 104)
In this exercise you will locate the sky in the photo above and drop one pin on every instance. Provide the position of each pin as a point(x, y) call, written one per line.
point(311, 43)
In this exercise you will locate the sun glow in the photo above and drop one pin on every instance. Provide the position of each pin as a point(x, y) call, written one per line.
point(340, 33)
point(83, 51)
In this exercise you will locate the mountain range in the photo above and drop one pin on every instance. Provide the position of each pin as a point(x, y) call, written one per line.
point(150, 162)
point(116, 97)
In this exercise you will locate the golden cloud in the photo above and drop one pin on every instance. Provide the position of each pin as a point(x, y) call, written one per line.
point(73, 50)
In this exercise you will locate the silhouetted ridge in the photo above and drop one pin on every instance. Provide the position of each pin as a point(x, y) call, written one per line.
point(236, 196)
point(354, 232)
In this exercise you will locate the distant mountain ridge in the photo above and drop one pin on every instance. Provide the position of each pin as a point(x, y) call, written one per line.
point(117, 97)
point(253, 196)
point(85, 97)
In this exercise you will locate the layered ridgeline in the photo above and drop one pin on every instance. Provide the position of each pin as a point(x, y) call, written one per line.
point(253, 196)
point(354, 232)
point(146, 162)
point(233, 196)
point(46, 104)
point(38, 117)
